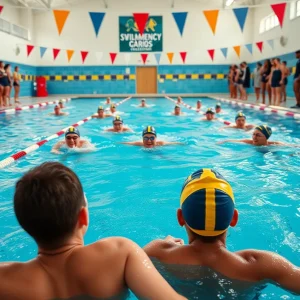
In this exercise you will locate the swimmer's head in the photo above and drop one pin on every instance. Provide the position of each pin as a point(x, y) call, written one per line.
point(199, 104)
point(207, 206)
point(177, 110)
point(179, 99)
point(113, 108)
point(297, 54)
point(61, 104)
point(143, 102)
point(261, 135)
point(72, 137)
point(118, 123)
point(209, 114)
point(240, 120)
point(218, 108)
point(50, 206)
point(100, 111)
point(108, 100)
point(149, 137)
point(56, 110)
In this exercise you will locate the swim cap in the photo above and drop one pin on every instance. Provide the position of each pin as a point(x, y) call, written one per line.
point(177, 106)
point(117, 118)
point(240, 115)
point(207, 203)
point(199, 101)
point(210, 111)
point(218, 105)
point(265, 130)
point(60, 102)
point(149, 129)
point(72, 130)
point(113, 106)
point(56, 106)
point(100, 108)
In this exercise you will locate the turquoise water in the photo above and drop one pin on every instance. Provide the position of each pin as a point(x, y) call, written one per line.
point(135, 193)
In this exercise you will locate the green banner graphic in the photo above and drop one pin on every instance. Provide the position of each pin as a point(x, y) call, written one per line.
point(132, 41)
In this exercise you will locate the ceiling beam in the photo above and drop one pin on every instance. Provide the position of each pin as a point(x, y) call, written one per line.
point(43, 3)
point(23, 2)
point(105, 3)
point(172, 3)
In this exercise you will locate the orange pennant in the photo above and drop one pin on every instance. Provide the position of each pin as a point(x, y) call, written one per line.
point(70, 54)
point(212, 18)
point(237, 50)
point(60, 18)
point(170, 56)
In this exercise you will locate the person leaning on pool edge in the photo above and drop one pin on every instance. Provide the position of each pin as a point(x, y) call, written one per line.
point(207, 210)
point(51, 207)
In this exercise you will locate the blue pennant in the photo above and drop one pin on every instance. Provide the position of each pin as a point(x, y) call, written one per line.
point(97, 18)
point(249, 47)
point(224, 51)
point(42, 51)
point(271, 43)
point(157, 57)
point(241, 15)
point(180, 18)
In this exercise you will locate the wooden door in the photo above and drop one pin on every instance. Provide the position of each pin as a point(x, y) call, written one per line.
point(146, 80)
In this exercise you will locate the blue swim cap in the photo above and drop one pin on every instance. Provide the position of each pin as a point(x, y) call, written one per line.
point(265, 130)
point(117, 118)
point(72, 130)
point(240, 114)
point(100, 108)
point(207, 203)
point(150, 130)
point(218, 105)
point(210, 111)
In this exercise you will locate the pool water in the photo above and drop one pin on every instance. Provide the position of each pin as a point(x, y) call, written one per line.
point(133, 192)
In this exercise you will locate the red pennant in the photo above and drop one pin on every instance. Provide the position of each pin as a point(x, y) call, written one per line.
point(29, 49)
point(260, 46)
point(84, 55)
point(144, 57)
point(1, 8)
point(279, 10)
point(211, 53)
point(141, 21)
point(113, 57)
point(183, 56)
point(55, 53)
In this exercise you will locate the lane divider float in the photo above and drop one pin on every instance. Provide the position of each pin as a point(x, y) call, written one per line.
point(7, 161)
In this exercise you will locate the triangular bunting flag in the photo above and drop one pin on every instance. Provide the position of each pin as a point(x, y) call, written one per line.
point(170, 56)
point(1, 8)
point(212, 18)
point(260, 46)
point(237, 50)
point(271, 43)
point(279, 11)
point(183, 56)
point(250, 48)
point(60, 18)
point(157, 57)
point(241, 15)
point(29, 49)
point(224, 51)
point(70, 54)
point(113, 57)
point(97, 18)
point(141, 21)
point(127, 57)
point(180, 18)
point(42, 51)
point(211, 53)
point(144, 57)
point(99, 56)
point(55, 53)
point(84, 55)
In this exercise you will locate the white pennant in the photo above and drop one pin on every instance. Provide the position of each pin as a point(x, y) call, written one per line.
point(99, 56)
point(127, 57)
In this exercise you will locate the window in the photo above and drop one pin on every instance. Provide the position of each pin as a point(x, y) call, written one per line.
point(13, 29)
point(268, 23)
point(294, 9)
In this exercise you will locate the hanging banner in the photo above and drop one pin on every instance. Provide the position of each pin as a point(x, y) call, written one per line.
point(144, 57)
point(29, 49)
point(241, 16)
point(60, 19)
point(55, 53)
point(183, 56)
point(132, 41)
point(70, 54)
point(1, 8)
point(97, 18)
point(113, 57)
point(224, 51)
point(237, 50)
point(271, 43)
point(212, 18)
point(170, 56)
point(99, 56)
point(84, 54)
point(42, 51)
point(157, 57)
point(279, 11)
point(211, 53)
point(250, 48)
point(180, 18)
point(260, 46)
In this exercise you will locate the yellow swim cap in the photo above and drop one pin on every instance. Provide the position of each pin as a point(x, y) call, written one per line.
point(207, 203)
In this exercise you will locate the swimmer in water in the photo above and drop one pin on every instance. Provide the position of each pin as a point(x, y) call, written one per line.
point(177, 111)
point(100, 114)
point(207, 210)
point(179, 100)
point(209, 115)
point(260, 137)
point(150, 139)
point(118, 126)
point(240, 122)
point(50, 205)
point(113, 108)
point(57, 112)
point(108, 100)
point(143, 103)
point(72, 140)
point(198, 105)
point(218, 108)
point(61, 104)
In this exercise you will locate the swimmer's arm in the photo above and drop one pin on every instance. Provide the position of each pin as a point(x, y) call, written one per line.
point(127, 129)
point(133, 143)
point(109, 129)
point(94, 117)
point(236, 141)
point(283, 144)
point(57, 147)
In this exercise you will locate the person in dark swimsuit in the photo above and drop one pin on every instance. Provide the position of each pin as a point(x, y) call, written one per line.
point(2, 82)
point(265, 73)
point(297, 81)
point(241, 78)
point(16, 84)
point(234, 81)
point(9, 87)
point(5, 83)
point(247, 79)
point(277, 79)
